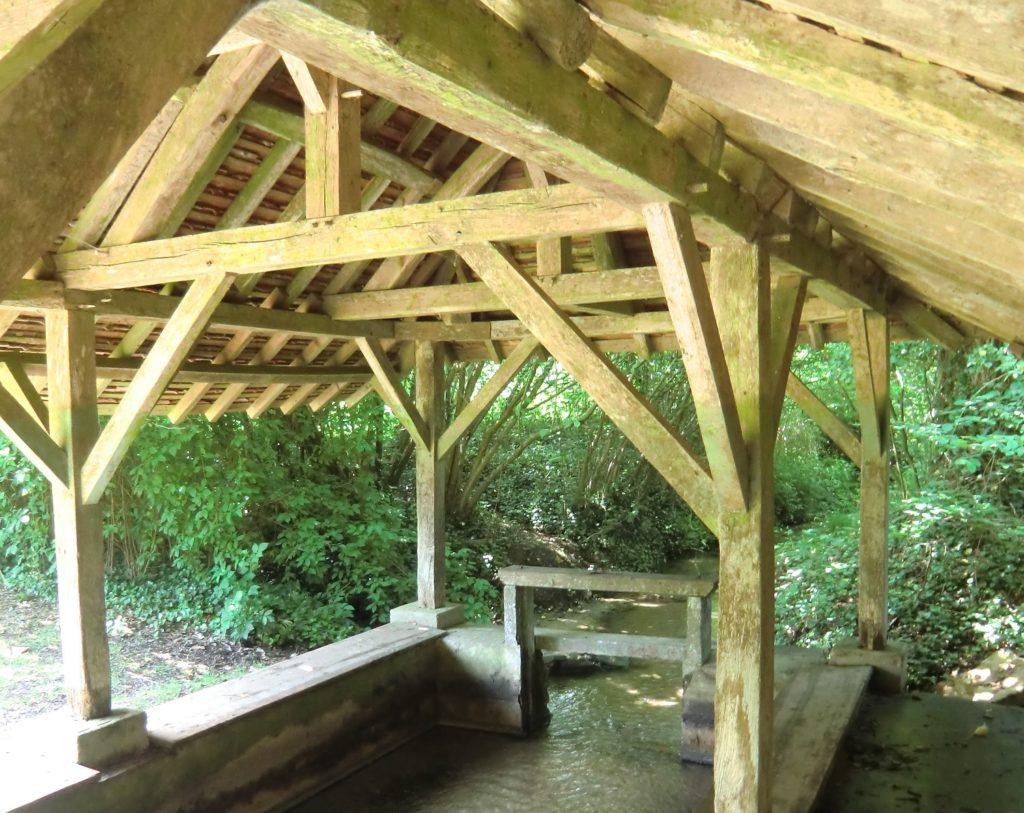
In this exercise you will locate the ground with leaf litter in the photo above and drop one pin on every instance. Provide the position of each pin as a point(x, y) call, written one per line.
point(147, 666)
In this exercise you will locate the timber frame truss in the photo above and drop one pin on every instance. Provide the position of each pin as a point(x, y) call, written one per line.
point(340, 195)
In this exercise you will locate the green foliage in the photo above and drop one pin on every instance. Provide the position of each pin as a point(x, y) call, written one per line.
point(300, 529)
point(956, 591)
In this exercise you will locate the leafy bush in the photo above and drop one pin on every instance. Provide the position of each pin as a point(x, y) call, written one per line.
point(955, 587)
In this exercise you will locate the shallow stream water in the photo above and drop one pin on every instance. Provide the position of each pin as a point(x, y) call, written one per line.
point(612, 745)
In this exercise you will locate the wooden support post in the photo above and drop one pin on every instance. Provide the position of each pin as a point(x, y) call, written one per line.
point(740, 292)
point(698, 632)
point(430, 477)
point(520, 635)
point(869, 345)
point(78, 527)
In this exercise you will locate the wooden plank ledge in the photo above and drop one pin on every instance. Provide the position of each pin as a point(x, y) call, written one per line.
point(565, 578)
point(173, 723)
point(812, 716)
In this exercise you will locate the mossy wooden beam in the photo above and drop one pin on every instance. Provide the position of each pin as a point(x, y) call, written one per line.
point(744, 679)
point(32, 440)
point(73, 99)
point(658, 441)
point(468, 297)
point(869, 346)
point(15, 379)
point(406, 230)
point(78, 526)
point(171, 347)
point(981, 40)
point(689, 302)
point(389, 385)
point(920, 96)
point(275, 117)
point(489, 90)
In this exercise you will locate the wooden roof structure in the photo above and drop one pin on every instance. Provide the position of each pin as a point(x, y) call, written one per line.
point(209, 207)
point(874, 161)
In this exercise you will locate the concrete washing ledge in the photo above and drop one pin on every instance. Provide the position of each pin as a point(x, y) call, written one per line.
point(269, 739)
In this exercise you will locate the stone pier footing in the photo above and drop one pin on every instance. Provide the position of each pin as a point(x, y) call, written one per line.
point(889, 665)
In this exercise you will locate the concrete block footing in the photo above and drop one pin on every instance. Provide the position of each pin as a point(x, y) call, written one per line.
point(440, 618)
point(889, 665)
point(96, 744)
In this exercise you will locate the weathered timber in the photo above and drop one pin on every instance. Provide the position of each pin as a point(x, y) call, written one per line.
point(15, 379)
point(205, 118)
point(32, 440)
point(430, 477)
point(831, 424)
point(76, 96)
point(156, 372)
point(741, 295)
point(78, 526)
point(869, 345)
point(574, 131)
point(657, 440)
point(273, 117)
point(468, 297)
point(198, 372)
point(560, 28)
point(788, 297)
point(420, 229)
point(390, 387)
point(689, 302)
point(981, 40)
point(783, 49)
point(565, 578)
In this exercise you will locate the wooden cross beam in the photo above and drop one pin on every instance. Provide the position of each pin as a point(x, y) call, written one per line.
point(659, 442)
point(32, 440)
point(73, 99)
point(689, 302)
point(831, 424)
point(156, 372)
point(571, 129)
point(407, 230)
point(389, 385)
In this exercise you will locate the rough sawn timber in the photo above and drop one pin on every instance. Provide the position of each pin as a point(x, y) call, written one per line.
point(81, 105)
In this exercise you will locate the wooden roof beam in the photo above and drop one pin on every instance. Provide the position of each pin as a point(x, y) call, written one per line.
point(275, 117)
point(406, 230)
point(73, 99)
point(492, 92)
point(201, 372)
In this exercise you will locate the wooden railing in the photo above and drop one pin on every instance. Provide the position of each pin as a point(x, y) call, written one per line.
point(693, 651)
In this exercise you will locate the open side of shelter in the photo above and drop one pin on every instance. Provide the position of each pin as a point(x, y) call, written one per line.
point(290, 203)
